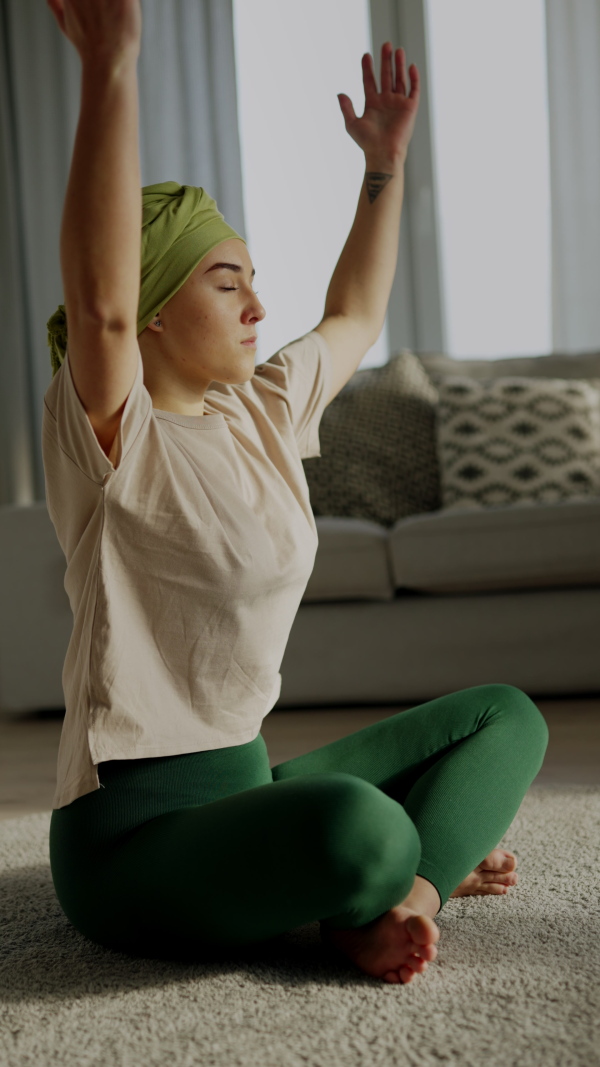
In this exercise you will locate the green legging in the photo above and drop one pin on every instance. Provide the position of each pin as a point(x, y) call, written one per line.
point(179, 856)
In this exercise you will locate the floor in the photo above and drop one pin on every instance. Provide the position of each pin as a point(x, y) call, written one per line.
point(29, 745)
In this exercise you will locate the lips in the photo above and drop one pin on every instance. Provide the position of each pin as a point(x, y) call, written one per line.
point(250, 341)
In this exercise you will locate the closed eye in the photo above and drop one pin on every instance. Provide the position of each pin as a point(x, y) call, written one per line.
point(233, 289)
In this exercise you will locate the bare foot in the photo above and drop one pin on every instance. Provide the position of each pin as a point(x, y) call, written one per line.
point(395, 946)
point(495, 874)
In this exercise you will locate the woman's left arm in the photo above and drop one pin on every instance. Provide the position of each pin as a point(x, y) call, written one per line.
point(360, 287)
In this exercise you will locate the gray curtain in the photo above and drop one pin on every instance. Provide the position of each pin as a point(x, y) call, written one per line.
point(188, 133)
point(573, 45)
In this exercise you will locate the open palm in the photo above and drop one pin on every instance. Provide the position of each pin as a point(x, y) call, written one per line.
point(386, 126)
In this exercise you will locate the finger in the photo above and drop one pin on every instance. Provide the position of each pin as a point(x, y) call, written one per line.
point(386, 67)
point(400, 86)
point(57, 8)
point(415, 84)
point(347, 107)
point(369, 82)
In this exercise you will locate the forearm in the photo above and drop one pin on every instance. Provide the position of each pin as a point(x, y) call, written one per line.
point(362, 281)
point(100, 244)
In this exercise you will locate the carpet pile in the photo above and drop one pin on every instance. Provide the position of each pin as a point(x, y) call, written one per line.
point(516, 981)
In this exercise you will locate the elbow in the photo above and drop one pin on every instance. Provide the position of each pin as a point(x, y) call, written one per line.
point(93, 315)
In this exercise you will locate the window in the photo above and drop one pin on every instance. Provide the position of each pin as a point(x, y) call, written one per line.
point(488, 92)
point(302, 173)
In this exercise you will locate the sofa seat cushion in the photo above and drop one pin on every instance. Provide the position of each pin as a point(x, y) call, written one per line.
point(516, 547)
point(352, 562)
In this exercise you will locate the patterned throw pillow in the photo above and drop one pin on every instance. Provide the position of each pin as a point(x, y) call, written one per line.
point(517, 440)
point(378, 451)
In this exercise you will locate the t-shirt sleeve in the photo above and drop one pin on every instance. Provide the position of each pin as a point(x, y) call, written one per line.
point(74, 432)
point(299, 375)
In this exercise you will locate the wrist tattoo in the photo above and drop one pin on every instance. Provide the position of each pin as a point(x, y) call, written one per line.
point(375, 183)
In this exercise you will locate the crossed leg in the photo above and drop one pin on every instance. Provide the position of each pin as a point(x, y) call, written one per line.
point(460, 767)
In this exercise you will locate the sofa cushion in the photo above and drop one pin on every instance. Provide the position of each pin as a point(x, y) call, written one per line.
point(517, 440)
point(378, 455)
point(515, 547)
point(352, 562)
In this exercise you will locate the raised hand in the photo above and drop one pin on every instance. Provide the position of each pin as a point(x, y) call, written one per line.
point(386, 126)
point(100, 28)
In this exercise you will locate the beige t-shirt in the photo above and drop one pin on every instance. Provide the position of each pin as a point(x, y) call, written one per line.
point(186, 563)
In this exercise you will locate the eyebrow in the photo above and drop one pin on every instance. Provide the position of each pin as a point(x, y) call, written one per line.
point(229, 266)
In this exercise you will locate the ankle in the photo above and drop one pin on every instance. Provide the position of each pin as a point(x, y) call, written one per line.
point(423, 898)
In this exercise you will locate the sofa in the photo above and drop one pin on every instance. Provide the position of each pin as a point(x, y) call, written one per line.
point(433, 603)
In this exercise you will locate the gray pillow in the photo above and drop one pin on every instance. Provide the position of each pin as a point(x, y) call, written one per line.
point(378, 448)
point(517, 441)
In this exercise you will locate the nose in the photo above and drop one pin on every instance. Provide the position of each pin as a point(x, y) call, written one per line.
point(260, 312)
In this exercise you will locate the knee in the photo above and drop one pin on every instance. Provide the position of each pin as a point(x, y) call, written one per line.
point(368, 840)
point(520, 714)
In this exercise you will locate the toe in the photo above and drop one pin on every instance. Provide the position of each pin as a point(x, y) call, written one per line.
point(500, 878)
point(510, 860)
point(499, 860)
point(418, 965)
point(422, 929)
point(425, 952)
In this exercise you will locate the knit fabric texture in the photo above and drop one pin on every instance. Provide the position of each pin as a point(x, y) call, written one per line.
point(378, 451)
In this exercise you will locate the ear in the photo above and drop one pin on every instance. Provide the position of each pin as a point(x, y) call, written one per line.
point(152, 324)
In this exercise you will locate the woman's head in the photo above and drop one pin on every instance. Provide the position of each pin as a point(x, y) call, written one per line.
point(199, 324)
point(197, 336)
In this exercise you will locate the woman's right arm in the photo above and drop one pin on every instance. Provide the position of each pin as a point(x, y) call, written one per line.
point(100, 243)
point(102, 215)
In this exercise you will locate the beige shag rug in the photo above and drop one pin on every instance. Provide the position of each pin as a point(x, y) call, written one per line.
point(516, 981)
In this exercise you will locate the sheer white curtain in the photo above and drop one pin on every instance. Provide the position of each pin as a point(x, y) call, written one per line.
point(302, 172)
point(573, 35)
point(492, 175)
point(415, 313)
point(188, 133)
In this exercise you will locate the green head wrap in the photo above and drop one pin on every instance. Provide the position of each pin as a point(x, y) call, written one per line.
point(180, 225)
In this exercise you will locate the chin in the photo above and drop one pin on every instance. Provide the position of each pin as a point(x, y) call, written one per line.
point(245, 374)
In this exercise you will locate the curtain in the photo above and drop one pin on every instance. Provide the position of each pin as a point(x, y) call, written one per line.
point(573, 47)
point(188, 133)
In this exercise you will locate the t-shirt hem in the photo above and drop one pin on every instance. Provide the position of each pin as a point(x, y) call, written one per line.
point(142, 751)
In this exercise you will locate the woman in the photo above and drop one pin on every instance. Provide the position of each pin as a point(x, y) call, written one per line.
point(175, 483)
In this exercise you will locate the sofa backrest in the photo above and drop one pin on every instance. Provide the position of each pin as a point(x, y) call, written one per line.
point(584, 365)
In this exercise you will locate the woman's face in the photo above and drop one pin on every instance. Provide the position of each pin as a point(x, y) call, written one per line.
point(203, 327)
